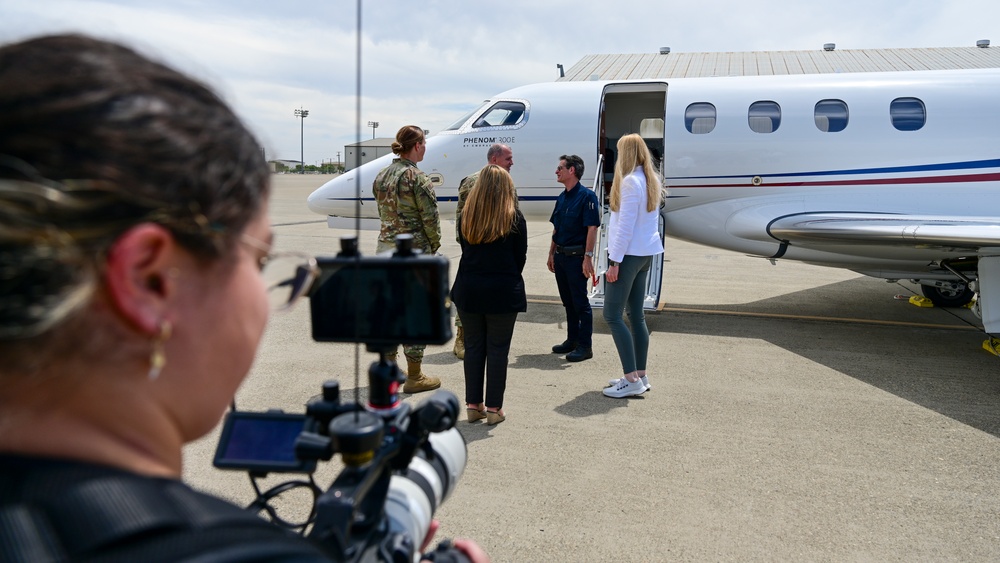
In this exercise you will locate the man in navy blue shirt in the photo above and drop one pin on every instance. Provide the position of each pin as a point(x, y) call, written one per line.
point(571, 256)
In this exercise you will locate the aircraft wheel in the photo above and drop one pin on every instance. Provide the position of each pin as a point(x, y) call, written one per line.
point(944, 297)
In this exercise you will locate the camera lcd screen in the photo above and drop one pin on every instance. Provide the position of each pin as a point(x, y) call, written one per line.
point(261, 441)
point(381, 300)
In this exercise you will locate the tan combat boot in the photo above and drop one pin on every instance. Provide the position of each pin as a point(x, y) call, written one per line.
point(416, 381)
point(459, 343)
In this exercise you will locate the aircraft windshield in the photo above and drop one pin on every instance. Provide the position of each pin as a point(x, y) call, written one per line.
point(458, 124)
point(502, 114)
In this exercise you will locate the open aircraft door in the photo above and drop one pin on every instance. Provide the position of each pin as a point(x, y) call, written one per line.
point(627, 108)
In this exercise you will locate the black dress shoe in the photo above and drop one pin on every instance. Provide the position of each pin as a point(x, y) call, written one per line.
point(567, 346)
point(580, 354)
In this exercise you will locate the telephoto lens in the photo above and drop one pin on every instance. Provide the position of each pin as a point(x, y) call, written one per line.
point(427, 482)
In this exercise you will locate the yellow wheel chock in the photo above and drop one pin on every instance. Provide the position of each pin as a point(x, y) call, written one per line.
point(921, 301)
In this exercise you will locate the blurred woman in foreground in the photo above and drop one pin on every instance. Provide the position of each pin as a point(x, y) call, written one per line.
point(133, 230)
point(489, 289)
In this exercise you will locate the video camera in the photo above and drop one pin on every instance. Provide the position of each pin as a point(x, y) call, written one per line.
point(400, 462)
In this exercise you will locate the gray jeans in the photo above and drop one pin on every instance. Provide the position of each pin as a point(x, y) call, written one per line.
point(629, 291)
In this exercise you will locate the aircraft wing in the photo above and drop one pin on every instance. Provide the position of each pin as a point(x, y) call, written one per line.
point(881, 229)
point(977, 235)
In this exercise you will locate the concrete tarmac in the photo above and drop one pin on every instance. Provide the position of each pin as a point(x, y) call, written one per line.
point(796, 413)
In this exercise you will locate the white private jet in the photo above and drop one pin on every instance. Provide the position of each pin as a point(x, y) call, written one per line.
point(894, 175)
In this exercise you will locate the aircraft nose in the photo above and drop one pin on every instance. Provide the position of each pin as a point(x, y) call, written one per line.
point(315, 199)
point(325, 199)
point(339, 197)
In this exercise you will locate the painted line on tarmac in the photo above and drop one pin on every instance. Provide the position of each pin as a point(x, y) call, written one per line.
point(293, 223)
point(664, 308)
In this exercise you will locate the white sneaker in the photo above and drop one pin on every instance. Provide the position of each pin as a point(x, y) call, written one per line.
point(643, 379)
point(625, 388)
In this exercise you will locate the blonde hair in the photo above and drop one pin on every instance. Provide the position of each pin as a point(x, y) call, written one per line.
point(491, 209)
point(632, 152)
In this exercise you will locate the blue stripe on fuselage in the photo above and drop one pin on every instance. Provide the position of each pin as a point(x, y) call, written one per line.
point(970, 165)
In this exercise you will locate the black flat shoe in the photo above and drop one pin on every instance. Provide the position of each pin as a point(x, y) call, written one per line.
point(580, 354)
point(565, 347)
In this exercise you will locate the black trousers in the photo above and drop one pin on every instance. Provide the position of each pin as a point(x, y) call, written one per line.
point(487, 347)
point(572, 286)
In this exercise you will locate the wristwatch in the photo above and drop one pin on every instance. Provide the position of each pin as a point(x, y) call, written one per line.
point(589, 253)
point(612, 263)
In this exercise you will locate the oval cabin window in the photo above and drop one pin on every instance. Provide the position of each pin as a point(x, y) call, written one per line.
point(907, 114)
point(764, 117)
point(699, 118)
point(831, 116)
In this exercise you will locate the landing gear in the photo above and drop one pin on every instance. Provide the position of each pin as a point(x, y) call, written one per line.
point(948, 295)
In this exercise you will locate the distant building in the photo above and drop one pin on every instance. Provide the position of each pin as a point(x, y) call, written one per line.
point(279, 165)
point(364, 152)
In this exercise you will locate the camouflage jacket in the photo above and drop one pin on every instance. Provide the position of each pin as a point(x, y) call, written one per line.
point(463, 193)
point(406, 205)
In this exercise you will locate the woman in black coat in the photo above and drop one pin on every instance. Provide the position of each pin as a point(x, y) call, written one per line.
point(489, 289)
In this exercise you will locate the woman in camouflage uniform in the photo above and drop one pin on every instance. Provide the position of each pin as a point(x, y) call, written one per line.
point(407, 205)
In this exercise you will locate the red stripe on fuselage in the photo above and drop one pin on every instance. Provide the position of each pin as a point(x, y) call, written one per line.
point(969, 178)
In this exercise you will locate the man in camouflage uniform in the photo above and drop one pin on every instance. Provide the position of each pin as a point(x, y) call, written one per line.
point(407, 205)
point(502, 156)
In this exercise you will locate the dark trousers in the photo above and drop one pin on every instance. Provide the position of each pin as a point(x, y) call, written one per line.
point(487, 347)
point(572, 286)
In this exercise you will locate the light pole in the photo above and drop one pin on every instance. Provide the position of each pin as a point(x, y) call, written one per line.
point(302, 114)
point(338, 159)
point(374, 126)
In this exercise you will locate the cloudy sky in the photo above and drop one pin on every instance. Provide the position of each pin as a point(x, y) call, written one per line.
point(428, 62)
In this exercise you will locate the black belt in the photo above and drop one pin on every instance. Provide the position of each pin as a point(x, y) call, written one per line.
point(577, 250)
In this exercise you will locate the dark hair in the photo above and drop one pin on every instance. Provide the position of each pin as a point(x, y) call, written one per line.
point(406, 138)
point(574, 162)
point(95, 139)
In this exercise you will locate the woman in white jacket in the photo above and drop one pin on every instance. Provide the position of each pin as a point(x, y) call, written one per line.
point(633, 241)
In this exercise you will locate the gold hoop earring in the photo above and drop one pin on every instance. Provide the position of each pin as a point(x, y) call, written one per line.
point(158, 358)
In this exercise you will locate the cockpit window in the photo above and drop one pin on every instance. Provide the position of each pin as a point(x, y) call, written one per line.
point(458, 124)
point(502, 114)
